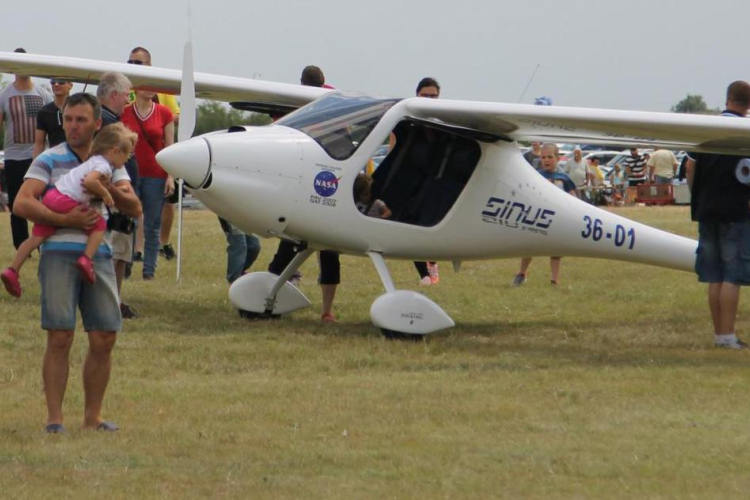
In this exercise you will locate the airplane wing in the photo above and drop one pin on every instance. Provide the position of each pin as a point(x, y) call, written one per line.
point(702, 133)
point(168, 81)
point(676, 131)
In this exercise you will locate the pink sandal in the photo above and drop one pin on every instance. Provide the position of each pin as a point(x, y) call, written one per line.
point(12, 282)
point(86, 268)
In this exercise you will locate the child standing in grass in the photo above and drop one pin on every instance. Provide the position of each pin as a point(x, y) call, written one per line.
point(83, 184)
point(618, 184)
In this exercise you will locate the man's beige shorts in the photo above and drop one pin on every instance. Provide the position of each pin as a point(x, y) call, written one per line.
point(122, 246)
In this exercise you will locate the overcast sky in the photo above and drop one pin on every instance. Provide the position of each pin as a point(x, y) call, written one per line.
point(628, 54)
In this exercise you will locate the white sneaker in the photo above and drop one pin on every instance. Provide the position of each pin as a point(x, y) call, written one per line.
point(426, 281)
point(731, 344)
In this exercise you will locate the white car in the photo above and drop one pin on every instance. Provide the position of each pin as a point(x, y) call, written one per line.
point(380, 154)
point(604, 157)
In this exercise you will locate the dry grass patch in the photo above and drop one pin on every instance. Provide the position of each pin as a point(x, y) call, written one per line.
point(606, 387)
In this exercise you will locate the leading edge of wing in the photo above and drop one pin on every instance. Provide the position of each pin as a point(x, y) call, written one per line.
point(716, 134)
point(207, 86)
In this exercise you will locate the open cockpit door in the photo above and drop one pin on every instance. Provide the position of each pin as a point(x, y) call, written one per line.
point(427, 169)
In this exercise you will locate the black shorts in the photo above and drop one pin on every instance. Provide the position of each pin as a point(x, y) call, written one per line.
point(330, 268)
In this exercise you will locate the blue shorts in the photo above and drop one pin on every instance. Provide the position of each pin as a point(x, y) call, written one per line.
point(63, 289)
point(723, 254)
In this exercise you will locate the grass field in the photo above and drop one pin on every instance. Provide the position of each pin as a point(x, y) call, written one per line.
point(605, 387)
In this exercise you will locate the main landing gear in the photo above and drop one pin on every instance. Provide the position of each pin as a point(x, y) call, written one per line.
point(404, 314)
point(400, 314)
point(265, 295)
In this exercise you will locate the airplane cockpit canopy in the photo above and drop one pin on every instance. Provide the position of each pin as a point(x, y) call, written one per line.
point(339, 122)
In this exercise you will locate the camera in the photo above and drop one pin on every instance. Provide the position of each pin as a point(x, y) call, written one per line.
point(120, 223)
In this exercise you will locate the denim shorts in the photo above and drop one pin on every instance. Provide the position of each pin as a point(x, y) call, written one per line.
point(63, 289)
point(723, 254)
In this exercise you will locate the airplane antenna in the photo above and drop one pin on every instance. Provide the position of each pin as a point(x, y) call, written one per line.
point(529, 83)
point(187, 125)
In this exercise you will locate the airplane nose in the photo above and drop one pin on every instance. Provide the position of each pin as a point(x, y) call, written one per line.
point(189, 160)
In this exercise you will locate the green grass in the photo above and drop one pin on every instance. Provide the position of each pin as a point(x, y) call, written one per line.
point(606, 387)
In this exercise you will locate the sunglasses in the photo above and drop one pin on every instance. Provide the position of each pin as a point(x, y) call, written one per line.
point(136, 62)
point(58, 82)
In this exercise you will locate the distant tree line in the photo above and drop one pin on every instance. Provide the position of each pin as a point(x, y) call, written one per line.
point(212, 115)
point(694, 104)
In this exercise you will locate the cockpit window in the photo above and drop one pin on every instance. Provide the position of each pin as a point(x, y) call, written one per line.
point(339, 122)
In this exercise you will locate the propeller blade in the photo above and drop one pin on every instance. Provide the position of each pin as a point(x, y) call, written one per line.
point(185, 132)
point(187, 95)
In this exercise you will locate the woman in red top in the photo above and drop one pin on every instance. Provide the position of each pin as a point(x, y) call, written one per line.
point(155, 128)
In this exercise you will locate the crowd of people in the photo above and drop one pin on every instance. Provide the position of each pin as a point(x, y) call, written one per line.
point(83, 170)
point(598, 186)
point(720, 204)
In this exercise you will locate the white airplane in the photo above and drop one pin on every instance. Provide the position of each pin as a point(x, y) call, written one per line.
point(456, 182)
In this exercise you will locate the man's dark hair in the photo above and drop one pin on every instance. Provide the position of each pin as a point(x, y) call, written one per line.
point(739, 93)
point(427, 82)
point(141, 49)
point(20, 50)
point(83, 99)
point(312, 76)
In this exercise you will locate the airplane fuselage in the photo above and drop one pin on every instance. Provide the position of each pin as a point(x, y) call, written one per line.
point(279, 181)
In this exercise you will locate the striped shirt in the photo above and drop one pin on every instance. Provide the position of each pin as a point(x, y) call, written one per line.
point(48, 167)
point(635, 166)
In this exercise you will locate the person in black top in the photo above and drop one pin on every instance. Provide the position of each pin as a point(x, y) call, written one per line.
point(330, 265)
point(49, 120)
point(721, 206)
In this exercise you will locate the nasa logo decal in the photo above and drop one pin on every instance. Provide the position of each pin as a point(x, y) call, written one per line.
point(326, 184)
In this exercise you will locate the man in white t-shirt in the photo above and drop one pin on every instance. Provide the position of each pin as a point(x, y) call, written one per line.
point(662, 166)
point(576, 168)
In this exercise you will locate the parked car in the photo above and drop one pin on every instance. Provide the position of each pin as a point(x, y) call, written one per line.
point(621, 157)
point(380, 154)
point(604, 157)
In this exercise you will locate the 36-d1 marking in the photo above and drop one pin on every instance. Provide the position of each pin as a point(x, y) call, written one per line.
point(595, 231)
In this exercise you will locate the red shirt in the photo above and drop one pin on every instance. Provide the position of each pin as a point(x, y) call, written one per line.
point(150, 130)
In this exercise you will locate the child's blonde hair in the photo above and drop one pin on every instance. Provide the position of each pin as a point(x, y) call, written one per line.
point(113, 136)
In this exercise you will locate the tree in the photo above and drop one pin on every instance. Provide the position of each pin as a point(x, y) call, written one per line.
point(212, 115)
point(694, 104)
